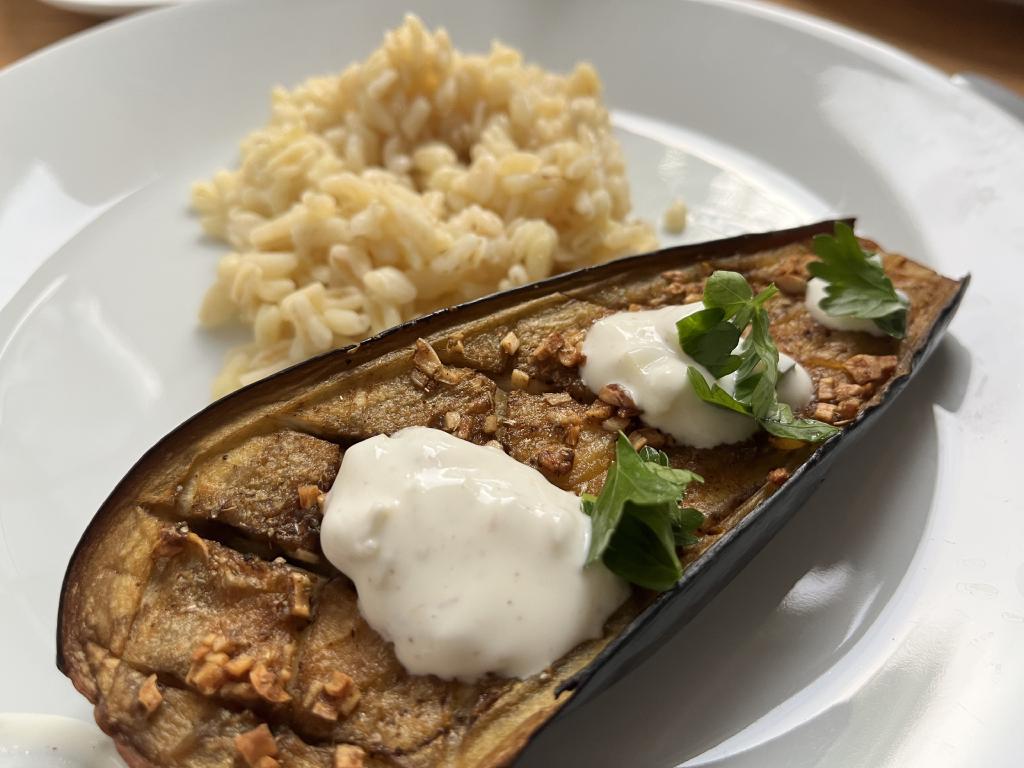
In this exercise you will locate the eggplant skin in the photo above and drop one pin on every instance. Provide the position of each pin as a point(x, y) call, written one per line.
point(201, 619)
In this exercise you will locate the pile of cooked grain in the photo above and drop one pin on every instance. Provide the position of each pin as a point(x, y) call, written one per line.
point(419, 178)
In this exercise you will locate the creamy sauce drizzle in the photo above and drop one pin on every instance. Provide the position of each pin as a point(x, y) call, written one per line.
point(640, 352)
point(468, 561)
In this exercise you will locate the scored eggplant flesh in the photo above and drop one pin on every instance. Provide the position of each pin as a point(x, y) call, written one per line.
point(200, 617)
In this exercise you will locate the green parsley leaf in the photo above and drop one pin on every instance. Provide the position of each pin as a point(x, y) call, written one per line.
point(639, 555)
point(757, 374)
point(781, 422)
point(779, 419)
point(857, 285)
point(658, 462)
point(714, 394)
point(685, 522)
point(709, 338)
point(746, 314)
point(636, 520)
point(728, 291)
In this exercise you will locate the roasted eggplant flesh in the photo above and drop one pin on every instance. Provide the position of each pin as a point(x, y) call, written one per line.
point(201, 619)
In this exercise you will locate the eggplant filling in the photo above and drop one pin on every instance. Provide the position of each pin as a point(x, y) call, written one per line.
point(201, 618)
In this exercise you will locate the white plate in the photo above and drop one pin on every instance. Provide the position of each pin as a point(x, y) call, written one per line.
point(882, 627)
point(108, 7)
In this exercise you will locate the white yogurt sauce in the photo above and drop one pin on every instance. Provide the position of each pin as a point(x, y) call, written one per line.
point(816, 291)
point(468, 561)
point(640, 352)
point(794, 387)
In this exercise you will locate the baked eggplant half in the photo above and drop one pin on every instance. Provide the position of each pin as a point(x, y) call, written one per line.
point(201, 618)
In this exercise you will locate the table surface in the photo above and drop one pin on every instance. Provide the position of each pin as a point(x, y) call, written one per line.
point(983, 36)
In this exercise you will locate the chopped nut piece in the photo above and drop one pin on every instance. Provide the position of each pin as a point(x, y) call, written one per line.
point(219, 643)
point(309, 496)
point(791, 284)
point(572, 434)
point(650, 436)
point(425, 358)
point(325, 710)
point(454, 344)
point(599, 411)
point(555, 461)
point(509, 344)
point(847, 409)
point(690, 298)
point(490, 424)
point(826, 390)
point(615, 424)
point(825, 412)
point(778, 476)
point(846, 391)
point(239, 665)
point(348, 756)
point(219, 658)
point(426, 361)
point(870, 368)
point(452, 419)
point(675, 289)
point(337, 697)
point(494, 444)
point(520, 379)
point(634, 307)
point(344, 690)
point(149, 695)
point(338, 684)
point(267, 684)
point(557, 398)
point(206, 677)
point(571, 355)
point(549, 347)
point(676, 276)
point(255, 745)
point(617, 395)
point(301, 588)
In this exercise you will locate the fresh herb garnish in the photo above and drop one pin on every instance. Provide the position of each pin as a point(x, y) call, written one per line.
point(857, 284)
point(637, 521)
point(711, 340)
point(710, 335)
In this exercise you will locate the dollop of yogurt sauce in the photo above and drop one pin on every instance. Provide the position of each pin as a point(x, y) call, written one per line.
point(816, 291)
point(640, 352)
point(468, 561)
